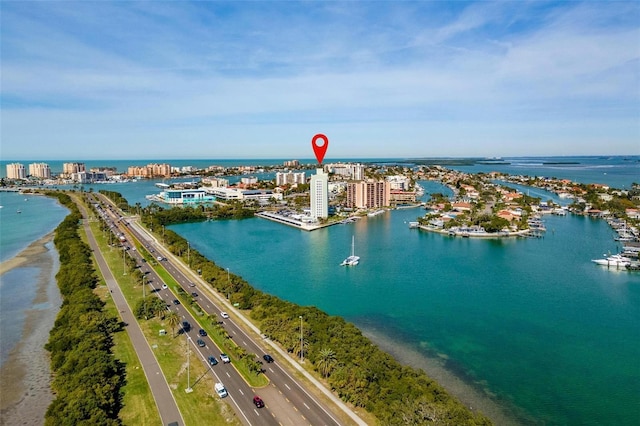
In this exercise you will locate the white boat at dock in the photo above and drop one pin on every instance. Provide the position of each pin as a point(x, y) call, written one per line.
point(352, 260)
point(375, 213)
point(613, 261)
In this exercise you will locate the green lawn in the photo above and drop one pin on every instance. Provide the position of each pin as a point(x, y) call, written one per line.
point(202, 406)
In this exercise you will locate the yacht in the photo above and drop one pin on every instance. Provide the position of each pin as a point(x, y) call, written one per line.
point(352, 260)
point(615, 260)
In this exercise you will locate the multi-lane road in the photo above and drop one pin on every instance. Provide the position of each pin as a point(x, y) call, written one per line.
point(286, 400)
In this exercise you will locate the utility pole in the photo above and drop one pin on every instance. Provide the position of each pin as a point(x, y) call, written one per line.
point(188, 389)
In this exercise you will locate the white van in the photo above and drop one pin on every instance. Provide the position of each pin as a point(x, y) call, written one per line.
point(220, 390)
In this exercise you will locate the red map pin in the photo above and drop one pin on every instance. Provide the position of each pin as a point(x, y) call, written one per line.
point(320, 143)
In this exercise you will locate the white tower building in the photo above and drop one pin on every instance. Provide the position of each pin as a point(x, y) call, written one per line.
point(319, 194)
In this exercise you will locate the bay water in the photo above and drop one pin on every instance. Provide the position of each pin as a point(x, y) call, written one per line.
point(532, 322)
point(18, 287)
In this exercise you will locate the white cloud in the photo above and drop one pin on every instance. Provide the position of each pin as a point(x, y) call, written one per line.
point(393, 74)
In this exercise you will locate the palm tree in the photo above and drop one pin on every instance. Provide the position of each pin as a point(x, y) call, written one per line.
point(173, 319)
point(326, 361)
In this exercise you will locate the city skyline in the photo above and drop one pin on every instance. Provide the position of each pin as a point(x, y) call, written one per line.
point(126, 80)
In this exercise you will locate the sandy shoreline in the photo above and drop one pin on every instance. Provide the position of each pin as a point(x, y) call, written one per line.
point(26, 400)
point(26, 255)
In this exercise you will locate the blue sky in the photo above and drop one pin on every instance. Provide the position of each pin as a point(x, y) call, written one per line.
point(87, 80)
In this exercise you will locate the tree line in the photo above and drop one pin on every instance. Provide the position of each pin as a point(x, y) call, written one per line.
point(356, 369)
point(87, 379)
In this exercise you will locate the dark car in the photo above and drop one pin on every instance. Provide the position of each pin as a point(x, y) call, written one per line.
point(201, 343)
point(213, 360)
point(202, 332)
point(268, 358)
point(194, 294)
point(176, 302)
point(186, 325)
point(258, 402)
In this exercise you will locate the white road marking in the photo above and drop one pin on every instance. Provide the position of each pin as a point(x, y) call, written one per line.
point(305, 404)
point(287, 386)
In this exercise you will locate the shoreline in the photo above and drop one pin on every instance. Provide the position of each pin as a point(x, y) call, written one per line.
point(472, 395)
point(27, 367)
point(26, 255)
point(510, 234)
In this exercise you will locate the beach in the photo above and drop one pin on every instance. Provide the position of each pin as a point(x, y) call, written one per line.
point(27, 366)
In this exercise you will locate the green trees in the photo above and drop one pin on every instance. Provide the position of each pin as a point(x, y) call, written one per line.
point(173, 320)
point(87, 378)
point(150, 307)
point(326, 362)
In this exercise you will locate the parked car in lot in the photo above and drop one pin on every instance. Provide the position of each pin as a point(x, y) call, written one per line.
point(201, 343)
point(225, 358)
point(224, 315)
point(213, 360)
point(258, 402)
point(202, 332)
point(268, 358)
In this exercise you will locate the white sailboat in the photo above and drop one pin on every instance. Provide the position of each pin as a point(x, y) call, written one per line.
point(352, 260)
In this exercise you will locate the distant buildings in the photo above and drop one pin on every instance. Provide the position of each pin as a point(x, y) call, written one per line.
point(16, 171)
point(290, 178)
point(350, 171)
point(319, 194)
point(291, 163)
point(70, 168)
point(40, 170)
point(249, 180)
point(150, 171)
point(368, 194)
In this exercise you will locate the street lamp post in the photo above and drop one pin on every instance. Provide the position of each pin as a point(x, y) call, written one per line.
point(188, 389)
point(143, 297)
point(301, 342)
point(188, 253)
point(124, 265)
point(228, 284)
point(162, 234)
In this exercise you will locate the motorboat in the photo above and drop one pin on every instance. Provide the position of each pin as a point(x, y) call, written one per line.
point(615, 260)
point(352, 260)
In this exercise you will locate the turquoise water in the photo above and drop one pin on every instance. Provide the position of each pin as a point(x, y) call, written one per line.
point(38, 216)
point(532, 320)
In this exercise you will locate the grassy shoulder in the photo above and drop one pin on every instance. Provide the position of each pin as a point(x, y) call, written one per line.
point(202, 406)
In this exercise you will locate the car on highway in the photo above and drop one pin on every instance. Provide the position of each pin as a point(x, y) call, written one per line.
point(176, 302)
point(258, 402)
point(159, 258)
point(164, 286)
point(225, 358)
point(192, 285)
point(212, 360)
point(268, 358)
point(220, 390)
point(224, 315)
point(186, 325)
point(202, 332)
point(201, 343)
point(194, 294)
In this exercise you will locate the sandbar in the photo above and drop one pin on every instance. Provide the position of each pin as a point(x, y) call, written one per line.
point(26, 375)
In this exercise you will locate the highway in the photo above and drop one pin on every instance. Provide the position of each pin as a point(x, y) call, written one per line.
point(286, 401)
